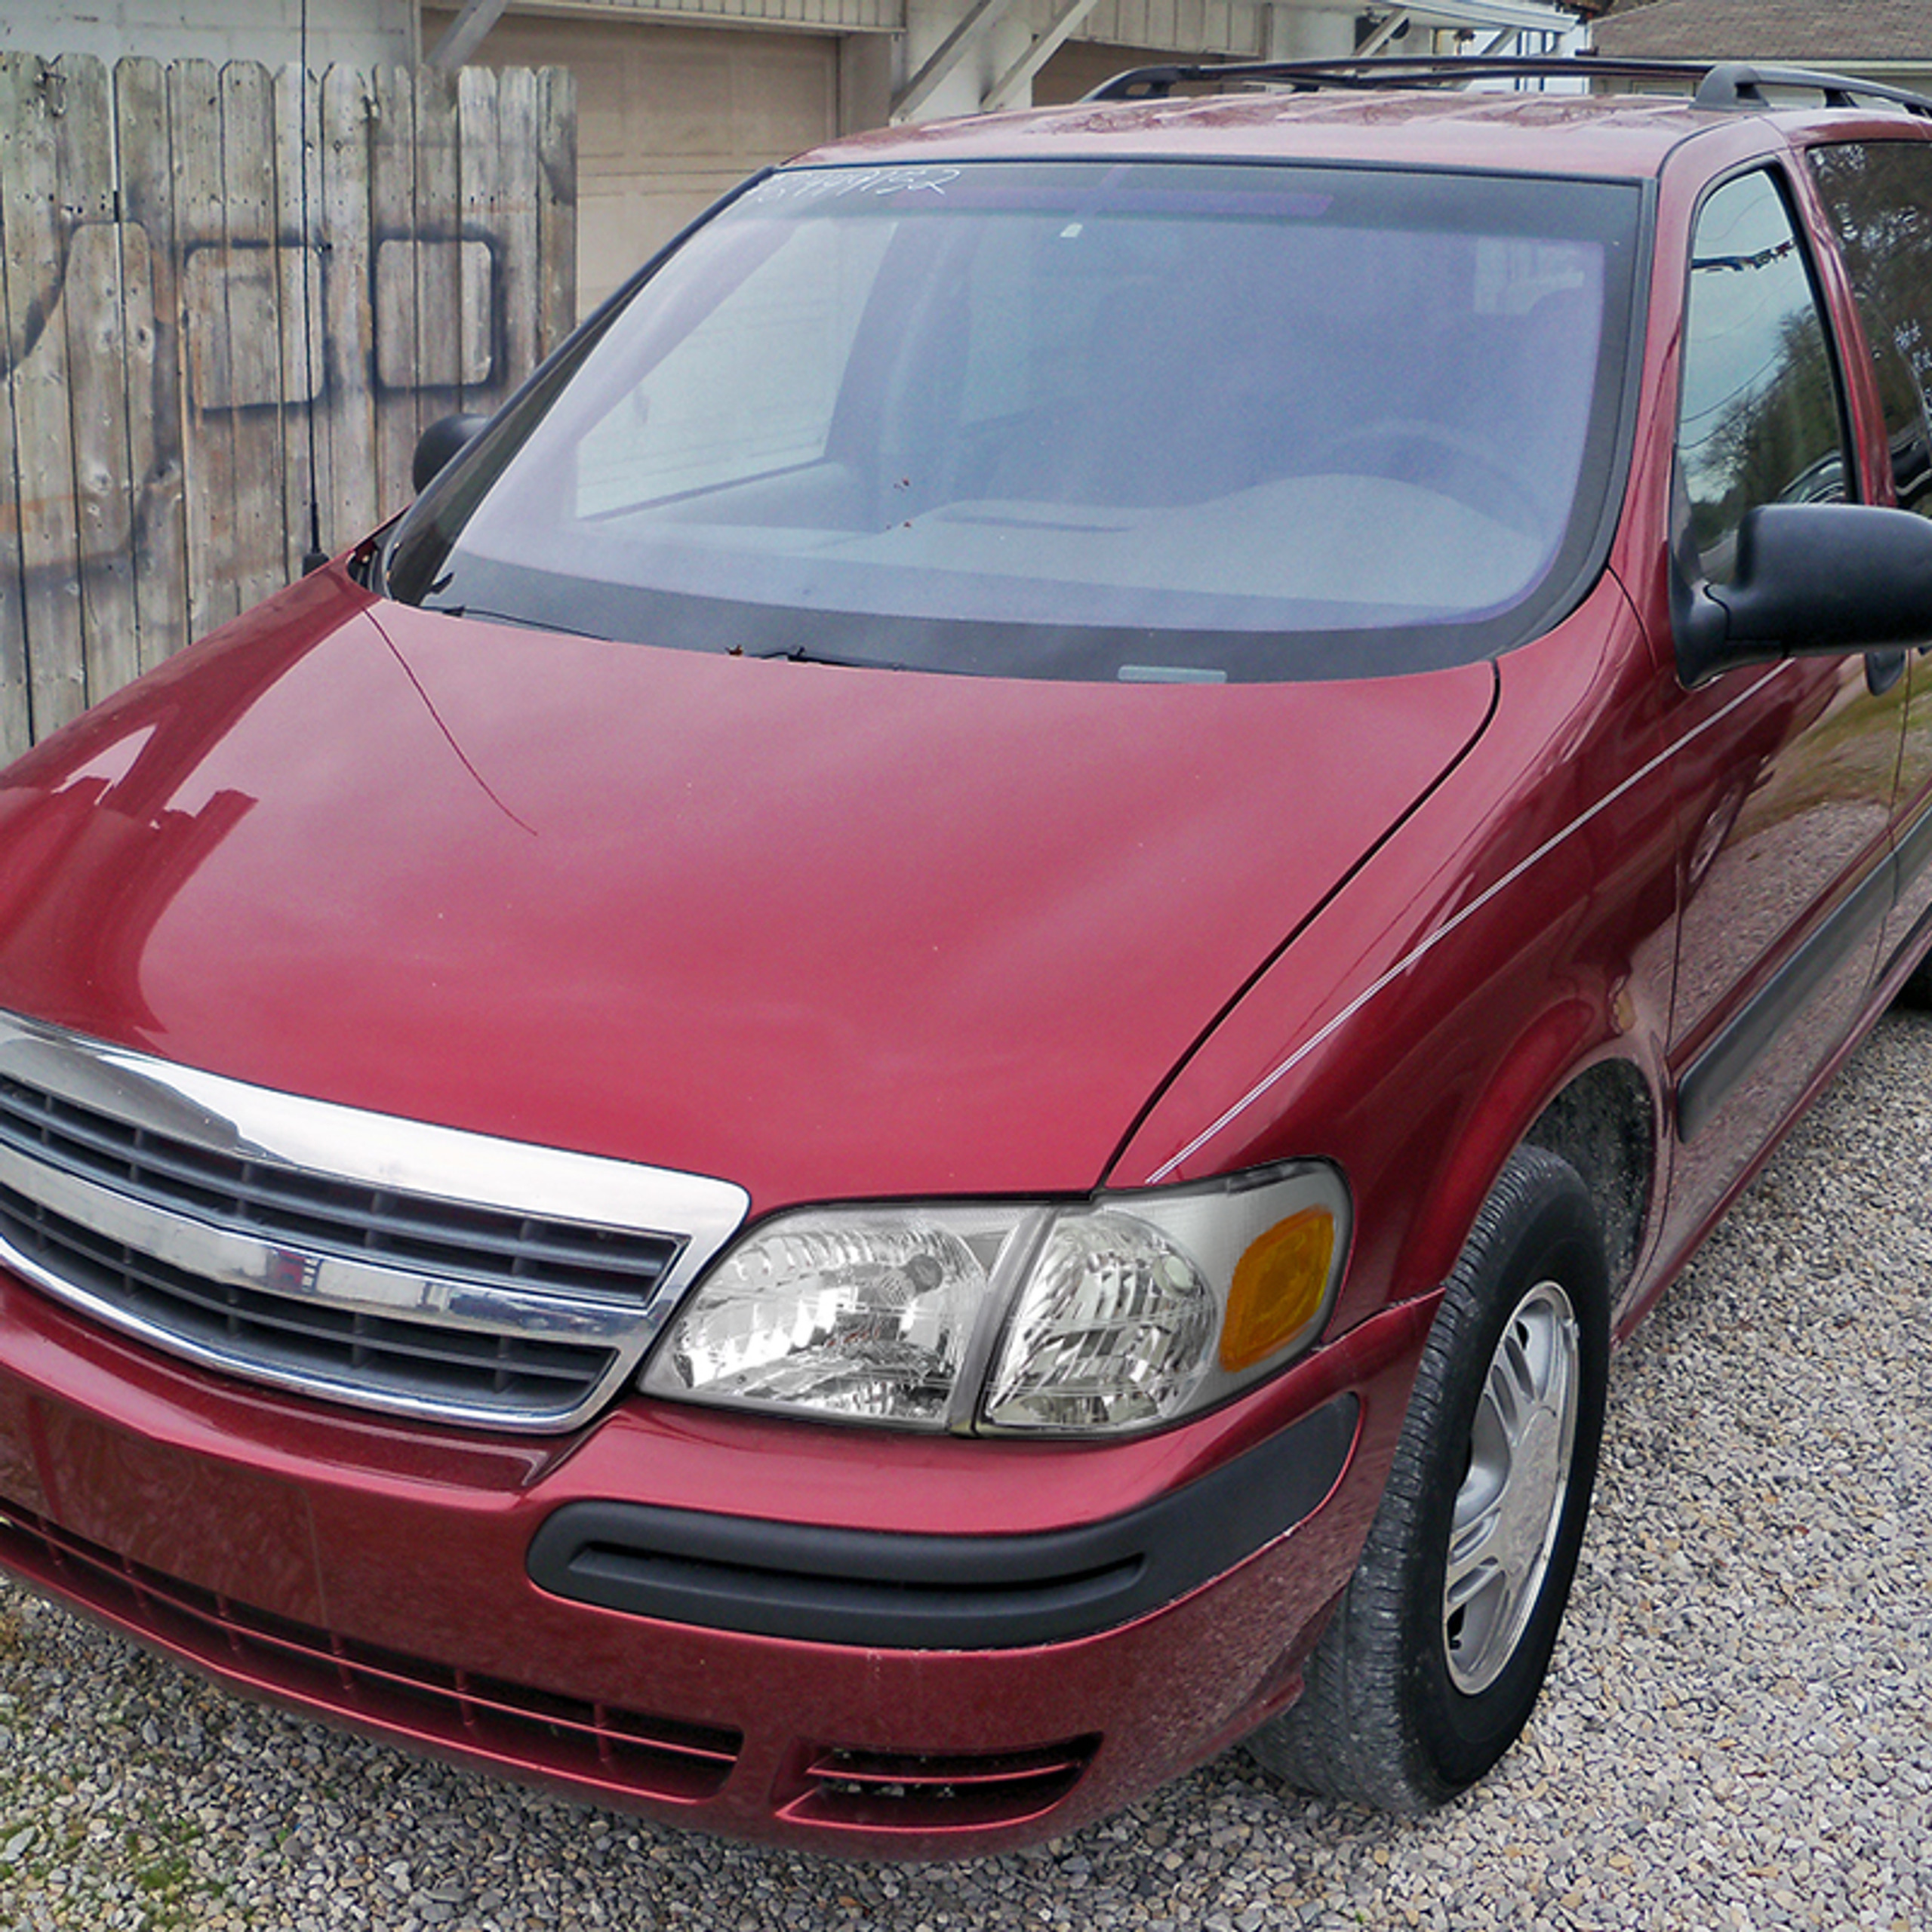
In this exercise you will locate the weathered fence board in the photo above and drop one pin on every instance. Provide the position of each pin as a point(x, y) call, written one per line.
point(297, 184)
point(93, 308)
point(151, 279)
point(208, 343)
point(349, 410)
point(258, 397)
point(556, 203)
point(229, 302)
point(433, 248)
point(393, 206)
point(482, 205)
point(43, 432)
point(13, 703)
point(518, 289)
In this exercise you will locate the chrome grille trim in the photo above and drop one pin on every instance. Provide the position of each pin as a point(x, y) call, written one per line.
point(391, 1264)
point(283, 1205)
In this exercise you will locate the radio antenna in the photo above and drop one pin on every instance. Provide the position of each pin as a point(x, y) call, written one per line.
point(317, 556)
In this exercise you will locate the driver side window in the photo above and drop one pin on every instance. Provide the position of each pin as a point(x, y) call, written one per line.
point(1760, 419)
point(1879, 195)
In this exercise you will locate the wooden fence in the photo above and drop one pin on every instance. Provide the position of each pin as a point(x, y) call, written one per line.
point(199, 267)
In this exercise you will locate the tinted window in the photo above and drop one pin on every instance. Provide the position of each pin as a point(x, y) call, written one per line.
point(1879, 195)
point(1761, 421)
point(1113, 420)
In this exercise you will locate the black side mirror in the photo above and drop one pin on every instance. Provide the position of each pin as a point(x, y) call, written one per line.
point(444, 439)
point(1811, 579)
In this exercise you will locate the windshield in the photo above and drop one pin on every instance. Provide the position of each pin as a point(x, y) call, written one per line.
point(1097, 419)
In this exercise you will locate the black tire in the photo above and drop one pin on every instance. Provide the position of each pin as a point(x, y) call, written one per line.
point(1916, 992)
point(1407, 1703)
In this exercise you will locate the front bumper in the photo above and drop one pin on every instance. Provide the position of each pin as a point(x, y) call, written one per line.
point(1033, 1675)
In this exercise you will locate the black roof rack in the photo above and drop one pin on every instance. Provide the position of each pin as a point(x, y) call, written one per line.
point(1721, 83)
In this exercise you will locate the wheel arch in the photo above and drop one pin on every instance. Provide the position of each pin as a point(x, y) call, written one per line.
point(1572, 1090)
point(1604, 1123)
point(1384, 1719)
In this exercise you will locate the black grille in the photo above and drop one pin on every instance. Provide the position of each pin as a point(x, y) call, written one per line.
point(518, 1375)
point(573, 1293)
point(900, 1791)
point(286, 1205)
point(617, 1751)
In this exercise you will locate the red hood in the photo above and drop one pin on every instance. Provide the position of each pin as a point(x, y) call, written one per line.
point(824, 931)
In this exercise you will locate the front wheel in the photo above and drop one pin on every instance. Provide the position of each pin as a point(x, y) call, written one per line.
point(1435, 1655)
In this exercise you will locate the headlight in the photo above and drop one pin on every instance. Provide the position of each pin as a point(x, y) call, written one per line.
point(1117, 1314)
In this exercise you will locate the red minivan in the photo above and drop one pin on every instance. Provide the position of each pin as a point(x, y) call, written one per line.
point(917, 1063)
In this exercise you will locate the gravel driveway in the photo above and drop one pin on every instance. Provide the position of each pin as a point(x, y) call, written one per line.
point(1738, 1732)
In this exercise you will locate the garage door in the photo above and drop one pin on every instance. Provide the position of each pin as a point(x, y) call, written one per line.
point(667, 119)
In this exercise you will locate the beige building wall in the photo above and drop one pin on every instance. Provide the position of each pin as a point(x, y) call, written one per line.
point(353, 33)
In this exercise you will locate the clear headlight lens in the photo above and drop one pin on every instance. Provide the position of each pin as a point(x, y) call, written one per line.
point(1114, 1327)
point(854, 1314)
point(1118, 1313)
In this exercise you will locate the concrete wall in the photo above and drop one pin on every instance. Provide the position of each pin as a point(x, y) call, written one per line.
point(1311, 33)
point(927, 23)
point(355, 33)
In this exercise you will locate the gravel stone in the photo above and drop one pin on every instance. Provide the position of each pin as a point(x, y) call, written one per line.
point(1737, 1731)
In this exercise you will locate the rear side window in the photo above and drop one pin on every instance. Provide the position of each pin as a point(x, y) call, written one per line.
point(1760, 420)
point(1879, 196)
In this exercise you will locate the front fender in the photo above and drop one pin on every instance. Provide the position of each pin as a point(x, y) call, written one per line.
point(1518, 929)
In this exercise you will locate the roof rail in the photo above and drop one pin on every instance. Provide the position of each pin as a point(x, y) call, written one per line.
point(1722, 83)
point(1741, 83)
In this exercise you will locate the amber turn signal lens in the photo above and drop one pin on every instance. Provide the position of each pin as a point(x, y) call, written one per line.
point(1278, 1286)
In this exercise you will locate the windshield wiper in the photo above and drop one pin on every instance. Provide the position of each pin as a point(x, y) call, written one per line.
point(511, 617)
point(799, 654)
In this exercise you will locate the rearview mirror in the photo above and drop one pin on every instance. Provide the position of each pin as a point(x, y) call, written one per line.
point(1811, 579)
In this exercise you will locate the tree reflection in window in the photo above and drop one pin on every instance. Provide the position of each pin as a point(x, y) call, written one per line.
point(1879, 196)
point(1761, 421)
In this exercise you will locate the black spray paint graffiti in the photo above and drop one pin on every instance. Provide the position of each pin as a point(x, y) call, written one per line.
point(96, 574)
point(453, 280)
point(234, 294)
